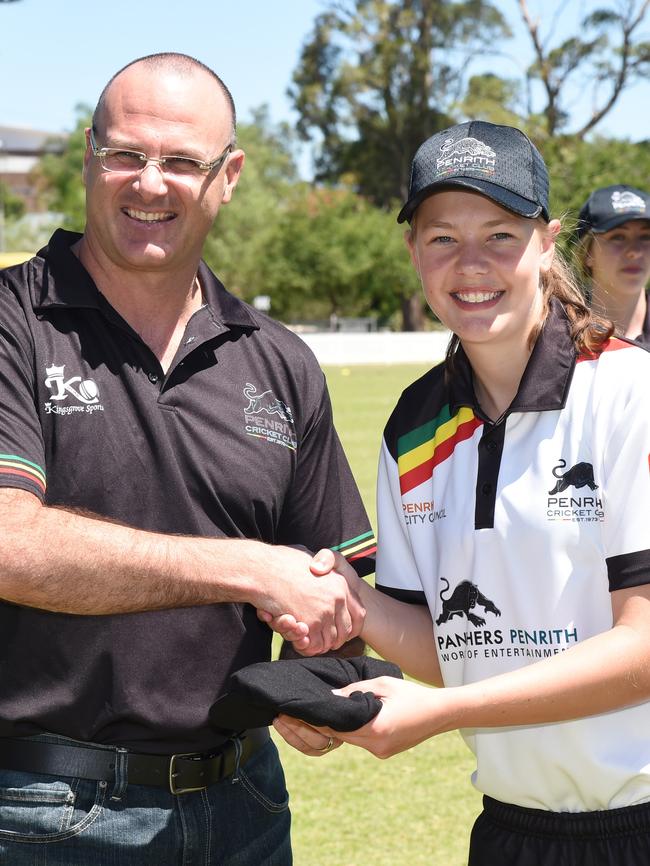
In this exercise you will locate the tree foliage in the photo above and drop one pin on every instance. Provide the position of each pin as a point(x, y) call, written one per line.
point(577, 167)
point(334, 253)
point(377, 77)
point(59, 175)
point(235, 248)
point(12, 205)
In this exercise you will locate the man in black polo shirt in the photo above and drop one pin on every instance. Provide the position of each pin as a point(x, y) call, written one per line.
point(159, 441)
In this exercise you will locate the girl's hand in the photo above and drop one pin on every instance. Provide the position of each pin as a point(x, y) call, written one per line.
point(410, 714)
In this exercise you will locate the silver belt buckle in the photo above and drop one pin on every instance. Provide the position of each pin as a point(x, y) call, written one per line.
point(172, 775)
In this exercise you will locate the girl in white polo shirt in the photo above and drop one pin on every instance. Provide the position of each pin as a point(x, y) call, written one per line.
point(613, 257)
point(514, 526)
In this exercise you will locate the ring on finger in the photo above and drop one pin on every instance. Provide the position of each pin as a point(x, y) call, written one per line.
point(328, 747)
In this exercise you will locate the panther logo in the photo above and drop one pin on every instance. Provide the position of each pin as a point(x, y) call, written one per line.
point(467, 146)
point(580, 475)
point(266, 402)
point(462, 601)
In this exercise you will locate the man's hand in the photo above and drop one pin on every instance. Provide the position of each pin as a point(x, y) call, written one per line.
point(318, 610)
point(296, 629)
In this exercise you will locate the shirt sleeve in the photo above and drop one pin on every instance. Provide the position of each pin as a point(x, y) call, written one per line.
point(626, 476)
point(397, 573)
point(324, 507)
point(22, 453)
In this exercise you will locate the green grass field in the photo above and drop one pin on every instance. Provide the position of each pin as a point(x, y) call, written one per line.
point(350, 809)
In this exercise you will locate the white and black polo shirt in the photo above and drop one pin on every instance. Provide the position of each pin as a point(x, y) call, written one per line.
point(515, 534)
point(235, 440)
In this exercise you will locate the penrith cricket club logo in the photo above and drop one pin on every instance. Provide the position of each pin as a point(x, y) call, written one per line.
point(574, 507)
point(627, 201)
point(465, 154)
point(268, 418)
point(79, 395)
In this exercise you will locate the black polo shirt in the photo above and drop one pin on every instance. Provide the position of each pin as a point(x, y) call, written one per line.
point(235, 440)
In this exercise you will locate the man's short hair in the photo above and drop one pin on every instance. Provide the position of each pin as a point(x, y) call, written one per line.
point(172, 61)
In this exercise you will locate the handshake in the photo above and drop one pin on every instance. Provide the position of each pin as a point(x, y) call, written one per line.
point(316, 604)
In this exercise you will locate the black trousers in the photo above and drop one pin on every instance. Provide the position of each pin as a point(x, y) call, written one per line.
point(506, 835)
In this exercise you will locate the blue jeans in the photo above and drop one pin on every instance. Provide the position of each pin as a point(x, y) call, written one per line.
point(243, 820)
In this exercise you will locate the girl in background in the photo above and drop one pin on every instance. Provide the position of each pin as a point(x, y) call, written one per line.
point(613, 257)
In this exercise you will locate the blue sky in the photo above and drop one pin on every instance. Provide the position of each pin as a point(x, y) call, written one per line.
point(55, 54)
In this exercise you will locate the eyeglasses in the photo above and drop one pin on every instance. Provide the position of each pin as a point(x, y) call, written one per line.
point(116, 160)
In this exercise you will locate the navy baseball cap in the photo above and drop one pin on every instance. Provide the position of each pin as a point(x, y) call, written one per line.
point(500, 162)
point(612, 206)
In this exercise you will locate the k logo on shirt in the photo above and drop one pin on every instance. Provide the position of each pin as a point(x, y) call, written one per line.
point(84, 393)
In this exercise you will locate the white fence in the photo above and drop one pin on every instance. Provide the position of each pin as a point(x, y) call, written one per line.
point(422, 347)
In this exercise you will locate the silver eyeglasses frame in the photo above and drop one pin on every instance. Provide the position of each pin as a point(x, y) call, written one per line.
point(203, 167)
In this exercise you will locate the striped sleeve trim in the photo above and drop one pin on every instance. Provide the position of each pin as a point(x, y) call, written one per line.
point(628, 569)
point(13, 465)
point(355, 548)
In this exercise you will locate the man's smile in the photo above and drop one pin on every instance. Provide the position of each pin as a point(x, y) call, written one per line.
point(148, 216)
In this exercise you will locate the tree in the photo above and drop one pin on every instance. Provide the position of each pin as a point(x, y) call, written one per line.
point(333, 253)
point(603, 54)
point(577, 167)
point(235, 248)
point(12, 205)
point(377, 77)
point(59, 175)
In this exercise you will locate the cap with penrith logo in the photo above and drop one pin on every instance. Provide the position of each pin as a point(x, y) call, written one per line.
point(612, 206)
point(499, 162)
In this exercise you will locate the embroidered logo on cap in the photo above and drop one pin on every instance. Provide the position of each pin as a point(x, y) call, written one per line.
point(627, 201)
point(465, 154)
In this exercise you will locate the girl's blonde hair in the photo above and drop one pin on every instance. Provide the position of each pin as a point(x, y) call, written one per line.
point(581, 251)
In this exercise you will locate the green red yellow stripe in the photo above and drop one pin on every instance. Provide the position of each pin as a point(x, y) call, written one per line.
point(424, 448)
point(12, 464)
point(355, 548)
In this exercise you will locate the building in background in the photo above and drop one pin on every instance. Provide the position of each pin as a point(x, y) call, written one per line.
point(20, 150)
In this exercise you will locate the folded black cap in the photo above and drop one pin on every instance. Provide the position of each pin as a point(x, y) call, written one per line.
point(301, 688)
point(611, 206)
point(500, 162)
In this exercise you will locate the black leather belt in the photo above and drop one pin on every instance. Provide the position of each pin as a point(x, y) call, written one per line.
point(179, 773)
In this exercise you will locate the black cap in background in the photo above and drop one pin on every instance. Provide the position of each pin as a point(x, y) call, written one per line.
point(612, 206)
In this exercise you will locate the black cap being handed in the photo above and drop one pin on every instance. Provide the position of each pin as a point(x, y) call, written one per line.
point(500, 162)
point(612, 206)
